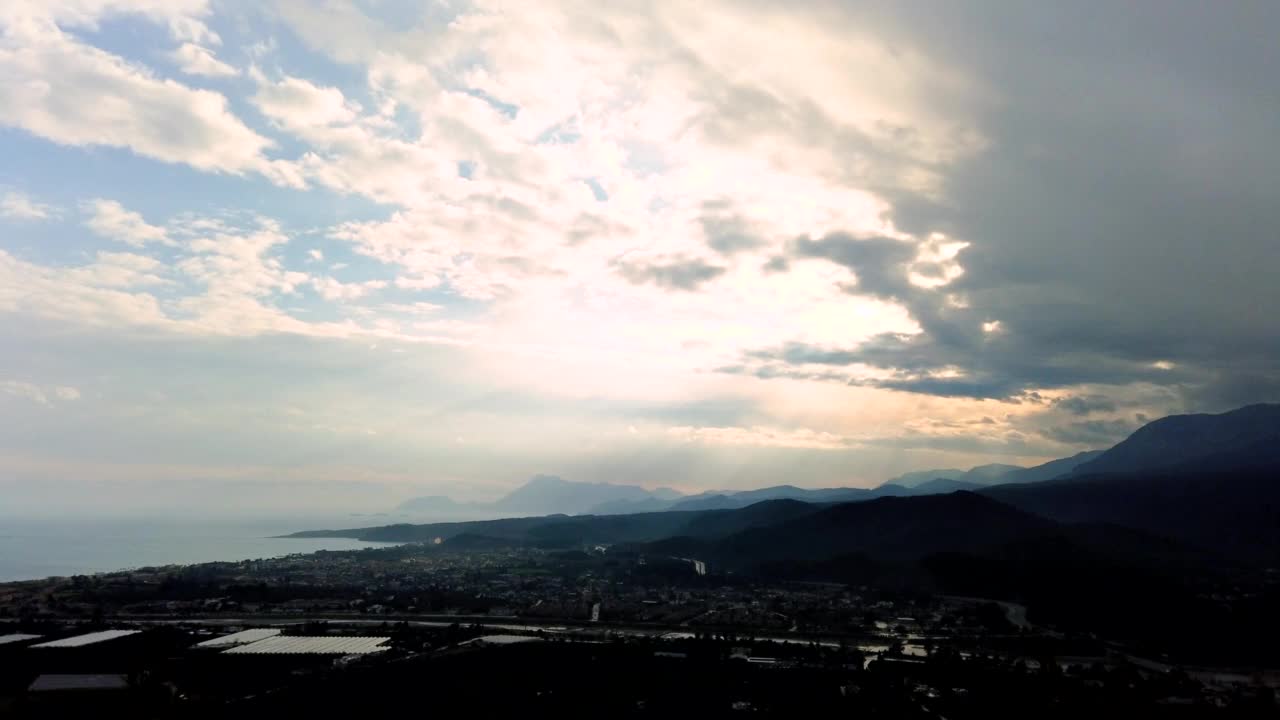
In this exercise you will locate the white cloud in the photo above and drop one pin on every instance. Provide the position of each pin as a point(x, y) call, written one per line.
point(761, 437)
point(195, 60)
point(183, 18)
point(513, 113)
point(331, 289)
point(122, 270)
point(111, 220)
point(94, 294)
point(20, 206)
point(17, 388)
point(38, 394)
point(227, 278)
point(121, 104)
point(299, 105)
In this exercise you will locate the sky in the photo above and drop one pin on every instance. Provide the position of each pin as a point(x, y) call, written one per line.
point(329, 255)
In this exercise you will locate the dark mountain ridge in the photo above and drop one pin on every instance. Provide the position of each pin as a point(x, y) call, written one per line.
point(1242, 438)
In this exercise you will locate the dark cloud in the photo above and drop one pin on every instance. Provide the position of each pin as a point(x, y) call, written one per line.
point(1121, 218)
point(768, 372)
point(1085, 404)
point(681, 274)
point(1231, 389)
point(1097, 433)
point(801, 354)
point(776, 264)
point(880, 264)
point(730, 235)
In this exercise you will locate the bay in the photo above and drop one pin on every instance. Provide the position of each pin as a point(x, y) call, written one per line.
point(36, 548)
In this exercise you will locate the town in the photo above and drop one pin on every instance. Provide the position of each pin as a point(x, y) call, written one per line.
point(357, 616)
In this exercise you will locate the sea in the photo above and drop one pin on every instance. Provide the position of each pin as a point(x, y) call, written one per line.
point(32, 548)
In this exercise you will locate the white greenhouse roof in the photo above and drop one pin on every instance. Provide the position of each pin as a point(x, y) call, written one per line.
point(16, 637)
point(244, 637)
point(90, 639)
point(308, 645)
point(502, 639)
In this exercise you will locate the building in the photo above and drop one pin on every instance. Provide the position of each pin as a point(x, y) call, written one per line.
point(244, 637)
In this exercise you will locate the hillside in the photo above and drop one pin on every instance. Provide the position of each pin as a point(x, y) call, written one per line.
point(1235, 513)
point(570, 531)
point(745, 498)
point(940, 486)
point(1243, 438)
point(1050, 470)
point(974, 476)
point(888, 529)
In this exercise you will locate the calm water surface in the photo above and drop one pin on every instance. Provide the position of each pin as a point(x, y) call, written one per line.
point(31, 548)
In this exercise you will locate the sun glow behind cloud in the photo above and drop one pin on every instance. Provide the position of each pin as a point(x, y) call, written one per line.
point(673, 231)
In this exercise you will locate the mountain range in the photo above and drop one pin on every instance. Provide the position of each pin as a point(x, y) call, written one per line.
point(547, 494)
point(1205, 480)
point(1213, 441)
point(1126, 540)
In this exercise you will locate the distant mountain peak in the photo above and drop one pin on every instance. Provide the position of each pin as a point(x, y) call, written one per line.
point(546, 481)
point(547, 494)
point(979, 475)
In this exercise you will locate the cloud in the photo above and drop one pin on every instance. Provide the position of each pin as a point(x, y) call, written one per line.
point(87, 295)
point(37, 394)
point(776, 264)
point(804, 438)
point(1085, 404)
point(123, 270)
point(879, 264)
point(195, 60)
point(1094, 433)
point(184, 19)
point(914, 215)
point(225, 278)
point(121, 104)
point(17, 388)
point(111, 220)
point(299, 105)
point(730, 235)
point(19, 206)
point(331, 289)
point(686, 274)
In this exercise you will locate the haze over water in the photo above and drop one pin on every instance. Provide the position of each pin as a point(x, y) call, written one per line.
point(37, 548)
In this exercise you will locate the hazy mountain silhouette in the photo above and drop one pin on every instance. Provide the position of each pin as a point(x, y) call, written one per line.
point(550, 494)
point(939, 486)
point(1200, 481)
point(546, 494)
point(913, 479)
point(435, 504)
point(728, 501)
point(980, 475)
point(1050, 470)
